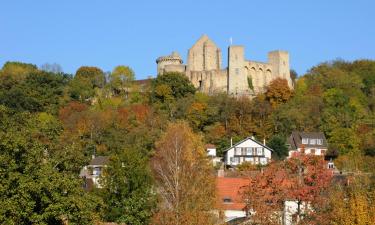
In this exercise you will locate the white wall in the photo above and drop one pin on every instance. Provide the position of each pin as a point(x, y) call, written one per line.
point(232, 214)
point(246, 144)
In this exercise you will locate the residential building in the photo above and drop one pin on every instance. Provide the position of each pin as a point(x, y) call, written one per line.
point(229, 197)
point(247, 150)
point(314, 143)
point(93, 172)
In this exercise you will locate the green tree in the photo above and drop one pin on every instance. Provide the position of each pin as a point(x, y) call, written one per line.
point(278, 144)
point(121, 79)
point(31, 178)
point(85, 81)
point(127, 189)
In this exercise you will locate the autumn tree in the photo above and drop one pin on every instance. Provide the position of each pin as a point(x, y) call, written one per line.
point(185, 181)
point(278, 92)
point(300, 179)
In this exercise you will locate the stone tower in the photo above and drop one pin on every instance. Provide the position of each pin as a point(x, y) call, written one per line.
point(236, 74)
point(204, 55)
point(172, 62)
point(279, 60)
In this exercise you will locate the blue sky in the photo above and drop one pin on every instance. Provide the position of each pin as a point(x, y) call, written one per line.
point(107, 33)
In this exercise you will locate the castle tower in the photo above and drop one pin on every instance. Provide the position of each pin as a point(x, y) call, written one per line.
point(204, 55)
point(236, 71)
point(279, 61)
point(170, 63)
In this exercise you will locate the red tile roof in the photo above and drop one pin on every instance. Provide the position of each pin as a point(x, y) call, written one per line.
point(227, 187)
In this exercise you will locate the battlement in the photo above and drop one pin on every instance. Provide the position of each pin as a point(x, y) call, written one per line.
point(172, 57)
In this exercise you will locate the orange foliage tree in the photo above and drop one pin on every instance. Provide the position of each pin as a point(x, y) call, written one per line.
point(278, 92)
point(184, 176)
point(300, 179)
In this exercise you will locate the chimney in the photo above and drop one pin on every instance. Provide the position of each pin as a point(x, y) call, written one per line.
point(231, 142)
point(264, 141)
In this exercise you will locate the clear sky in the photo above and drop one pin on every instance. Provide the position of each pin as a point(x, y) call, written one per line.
point(107, 33)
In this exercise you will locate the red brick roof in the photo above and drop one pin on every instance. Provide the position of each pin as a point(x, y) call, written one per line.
point(230, 188)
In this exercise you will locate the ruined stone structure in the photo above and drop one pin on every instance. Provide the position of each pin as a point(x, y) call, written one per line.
point(241, 77)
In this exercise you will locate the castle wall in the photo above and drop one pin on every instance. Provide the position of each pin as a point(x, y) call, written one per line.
point(174, 68)
point(210, 82)
point(204, 69)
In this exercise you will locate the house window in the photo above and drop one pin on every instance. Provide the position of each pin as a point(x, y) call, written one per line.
point(263, 161)
point(312, 151)
point(96, 171)
point(249, 151)
point(312, 141)
point(243, 151)
point(319, 141)
point(259, 151)
point(323, 152)
point(305, 141)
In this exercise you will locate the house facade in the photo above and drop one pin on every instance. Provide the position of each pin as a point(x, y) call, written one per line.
point(92, 172)
point(247, 150)
point(314, 143)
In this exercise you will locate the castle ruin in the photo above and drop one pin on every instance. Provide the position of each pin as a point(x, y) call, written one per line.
point(241, 78)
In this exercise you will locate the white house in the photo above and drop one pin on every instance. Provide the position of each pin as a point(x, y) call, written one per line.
point(211, 153)
point(247, 150)
point(313, 143)
point(92, 172)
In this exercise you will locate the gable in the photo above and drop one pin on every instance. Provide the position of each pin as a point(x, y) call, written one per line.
point(248, 142)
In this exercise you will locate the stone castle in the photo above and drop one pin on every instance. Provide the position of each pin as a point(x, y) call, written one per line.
point(241, 78)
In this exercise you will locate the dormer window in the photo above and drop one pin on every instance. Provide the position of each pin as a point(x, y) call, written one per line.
point(305, 141)
point(227, 200)
point(319, 141)
point(312, 141)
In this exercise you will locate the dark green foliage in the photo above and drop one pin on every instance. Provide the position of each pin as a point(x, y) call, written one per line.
point(86, 79)
point(278, 144)
point(37, 92)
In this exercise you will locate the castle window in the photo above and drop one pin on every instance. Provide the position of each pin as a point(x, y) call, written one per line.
point(237, 71)
point(200, 84)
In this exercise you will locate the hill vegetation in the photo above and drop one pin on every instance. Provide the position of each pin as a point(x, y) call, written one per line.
point(52, 123)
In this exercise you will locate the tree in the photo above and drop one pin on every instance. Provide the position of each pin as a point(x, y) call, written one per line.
point(178, 84)
point(121, 79)
point(52, 68)
point(127, 189)
point(36, 92)
point(278, 92)
point(301, 179)
point(85, 81)
point(32, 178)
point(277, 143)
point(184, 178)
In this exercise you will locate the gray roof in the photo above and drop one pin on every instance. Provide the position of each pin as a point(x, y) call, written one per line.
point(295, 139)
point(100, 160)
point(249, 138)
